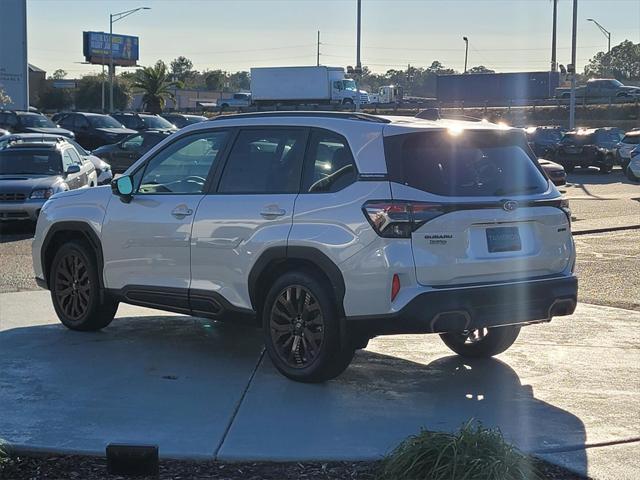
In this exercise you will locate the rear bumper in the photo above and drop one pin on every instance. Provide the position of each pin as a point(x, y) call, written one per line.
point(474, 307)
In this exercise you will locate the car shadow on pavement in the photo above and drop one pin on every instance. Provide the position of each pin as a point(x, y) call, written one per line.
point(11, 231)
point(191, 386)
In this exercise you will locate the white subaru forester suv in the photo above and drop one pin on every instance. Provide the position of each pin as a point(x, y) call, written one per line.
point(325, 228)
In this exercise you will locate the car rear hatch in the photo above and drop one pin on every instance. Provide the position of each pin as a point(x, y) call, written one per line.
point(477, 207)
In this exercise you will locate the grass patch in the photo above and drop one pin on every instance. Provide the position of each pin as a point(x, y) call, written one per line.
point(472, 453)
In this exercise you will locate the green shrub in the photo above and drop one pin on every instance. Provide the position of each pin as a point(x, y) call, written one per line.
point(472, 453)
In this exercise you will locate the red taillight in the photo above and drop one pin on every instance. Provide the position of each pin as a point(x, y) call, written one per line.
point(395, 286)
point(397, 218)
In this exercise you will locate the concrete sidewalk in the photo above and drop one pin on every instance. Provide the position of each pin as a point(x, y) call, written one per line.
point(200, 389)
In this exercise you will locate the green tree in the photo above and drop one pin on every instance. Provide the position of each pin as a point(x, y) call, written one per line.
point(215, 80)
point(480, 69)
point(4, 98)
point(239, 81)
point(182, 68)
point(55, 98)
point(59, 74)
point(156, 86)
point(89, 93)
point(623, 62)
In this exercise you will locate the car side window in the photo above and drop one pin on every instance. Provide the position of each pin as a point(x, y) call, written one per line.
point(74, 156)
point(265, 160)
point(329, 166)
point(132, 143)
point(67, 160)
point(81, 122)
point(183, 166)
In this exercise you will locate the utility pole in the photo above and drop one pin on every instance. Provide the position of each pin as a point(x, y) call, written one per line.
point(554, 62)
point(466, 52)
point(318, 51)
point(358, 64)
point(572, 101)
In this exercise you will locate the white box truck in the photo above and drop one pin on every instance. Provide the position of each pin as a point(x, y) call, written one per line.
point(303, 85)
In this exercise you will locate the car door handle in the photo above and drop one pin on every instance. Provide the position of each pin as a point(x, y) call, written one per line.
point(181, 212)
point(271, 213)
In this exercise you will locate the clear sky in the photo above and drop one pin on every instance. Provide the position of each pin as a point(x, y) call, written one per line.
point(505, 35)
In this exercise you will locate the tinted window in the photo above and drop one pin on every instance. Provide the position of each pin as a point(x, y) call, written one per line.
point(469, 164)
point(67, 121)
point(104, 121)
point(184, 165)
point(132, 143)
point(631, 139)
point(74, 156)
point(128, 121)
point(579, 139)
point(330, 165)
point(30, 162)
point(81, 122)
point(264, 161)
point(35, 120)
point(151, 121)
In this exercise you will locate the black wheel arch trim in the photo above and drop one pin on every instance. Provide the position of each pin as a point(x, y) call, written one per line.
point(74, 227)
point(308, 254)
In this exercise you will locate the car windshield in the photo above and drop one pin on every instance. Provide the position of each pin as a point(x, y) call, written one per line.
point(549, 134)
point(35, 120)
point(578, 138)
point(631, 139)
point(152, 121)
point(349, 85)
point(104, 121)
point(25, 162)
point(467, 164)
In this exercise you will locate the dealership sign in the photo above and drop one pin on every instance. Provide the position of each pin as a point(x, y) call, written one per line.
point(96, 49)
point(14, 73)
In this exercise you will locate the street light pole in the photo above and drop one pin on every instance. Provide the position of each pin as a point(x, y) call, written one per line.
point(113, 18)
point(466, 52)
point(572, 100)
point(604, 31)
point(358, 64)
point(554, 62)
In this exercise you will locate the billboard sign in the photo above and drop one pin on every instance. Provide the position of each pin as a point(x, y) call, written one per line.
point(14, 69)
point(96, 49)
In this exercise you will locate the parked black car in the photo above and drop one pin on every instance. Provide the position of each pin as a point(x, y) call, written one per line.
point(92, 130)
point(143, 121)
point(17, 121)
point(182, 120)
point(585, 148)
point(554, 171)
point(123, 154)
point(544, 140)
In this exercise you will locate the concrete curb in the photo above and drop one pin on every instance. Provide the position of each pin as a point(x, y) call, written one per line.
point(605, 230)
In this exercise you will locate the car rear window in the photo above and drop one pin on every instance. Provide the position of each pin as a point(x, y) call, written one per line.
point(24, 162)
point(480, 163)
point(579, 139)
point(631, 139)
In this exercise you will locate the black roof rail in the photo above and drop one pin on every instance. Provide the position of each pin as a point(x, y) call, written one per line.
point(365, 117)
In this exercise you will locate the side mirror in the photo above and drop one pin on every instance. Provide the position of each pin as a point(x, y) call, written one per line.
point(75, 168)
point(123, 187)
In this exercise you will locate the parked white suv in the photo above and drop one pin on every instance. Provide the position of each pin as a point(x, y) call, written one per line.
point(327, 228)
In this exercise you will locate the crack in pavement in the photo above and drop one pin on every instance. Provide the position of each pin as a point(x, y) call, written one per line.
point(573, 448)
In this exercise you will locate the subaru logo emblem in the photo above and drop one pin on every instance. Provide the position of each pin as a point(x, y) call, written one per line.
point(510, 205)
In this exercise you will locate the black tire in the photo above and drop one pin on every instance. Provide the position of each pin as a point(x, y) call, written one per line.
point(347, 101)
point(607, 166)
point(299, 306)
point(569, 167)
point(75, 290)
point(489, 341)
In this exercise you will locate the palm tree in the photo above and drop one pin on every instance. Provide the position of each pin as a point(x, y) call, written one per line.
point(156, 84)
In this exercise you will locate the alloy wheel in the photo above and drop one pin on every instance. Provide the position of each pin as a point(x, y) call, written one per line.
point(297, 326)
point(72, 286)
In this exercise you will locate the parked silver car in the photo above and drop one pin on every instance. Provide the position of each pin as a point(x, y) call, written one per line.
point(30, 173)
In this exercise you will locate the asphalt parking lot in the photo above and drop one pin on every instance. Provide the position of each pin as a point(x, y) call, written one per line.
point(200, 389)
